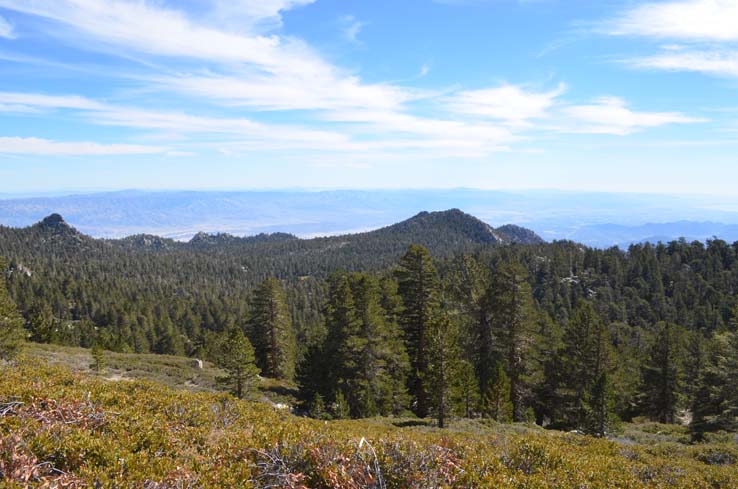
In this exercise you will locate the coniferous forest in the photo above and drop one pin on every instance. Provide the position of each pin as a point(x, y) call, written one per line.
point(439, 316)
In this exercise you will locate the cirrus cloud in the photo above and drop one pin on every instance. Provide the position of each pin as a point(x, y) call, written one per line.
point(47, 147)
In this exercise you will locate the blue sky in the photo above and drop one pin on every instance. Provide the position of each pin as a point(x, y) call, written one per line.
point(569, 94)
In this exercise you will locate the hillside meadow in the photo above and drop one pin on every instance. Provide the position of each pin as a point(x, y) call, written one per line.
point(65, 429)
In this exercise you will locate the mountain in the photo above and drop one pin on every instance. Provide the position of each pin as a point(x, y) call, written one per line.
point(605, 235)
point(516, 234)
point(553, 215)
point(451, 226)
point(55, 225)
point(444, 233)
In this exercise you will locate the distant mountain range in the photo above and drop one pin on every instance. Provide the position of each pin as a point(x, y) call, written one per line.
point(594, 219)
point(444, 233)
point(451, 226)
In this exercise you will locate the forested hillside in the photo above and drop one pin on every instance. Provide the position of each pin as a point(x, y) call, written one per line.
point(439, 315)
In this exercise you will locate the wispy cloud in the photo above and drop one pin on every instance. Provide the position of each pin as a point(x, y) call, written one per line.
point(697, 20)
point(177, 122)
point(36, 101)
point(230, 59)
point(509, 103)
point(6, 30)
point(709, 28)
point(610, 115)
point(720, 63)
point(351, 27)
point(46, 147)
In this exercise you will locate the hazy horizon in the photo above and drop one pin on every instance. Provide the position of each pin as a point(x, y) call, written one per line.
point(594, 219)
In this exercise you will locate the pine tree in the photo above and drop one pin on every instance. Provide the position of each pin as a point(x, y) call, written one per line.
point(341, 321)
point(98, 358)
point(513, 321)
point(237, 359)
point(660, 374)
point(444, 357)
point(12, 334)
point(466, 390)
point(374, 358)
point(272, 331)
point(312, 376)
point(42, 325)
point(341, 409)
point(715, 406)
point(465, 289)
point(498, 405)
point(584, 357)
point(418, 286)
point(317, 407)
point(598, 419)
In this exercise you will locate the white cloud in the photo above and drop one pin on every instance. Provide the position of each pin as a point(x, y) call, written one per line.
point(708, 27)
point(410, 131)
point(610, 115)
point(133, 117)
point(148, 29)
point(319, 91)
point(46, 147)
point(269, 72)
point(35, 101)
point(351, 28)
point(708, 62)
point(697, 20)
point(509, 103)
point(253, 15)
point(6, 30)
point(222, 56)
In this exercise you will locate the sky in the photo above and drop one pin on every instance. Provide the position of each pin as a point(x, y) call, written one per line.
point(617, 96)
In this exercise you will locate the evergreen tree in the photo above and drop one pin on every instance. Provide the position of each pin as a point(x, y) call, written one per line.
point(43, 325)
point(661, 376)
point(98, 358)
point(238, 360)
point(444, 357)
point(341, 321)
point(693, 363)
point(418, 286)
point(272, 331)
point(317, 407)
point(312, 376)
point(513, 320)
point(583, 358)
point(341, 409)
point(374, 356)
point(12, 334)
point(466, 390)
point(465, 289)
point(498, 405)
point(716, 403)
point(598, 419)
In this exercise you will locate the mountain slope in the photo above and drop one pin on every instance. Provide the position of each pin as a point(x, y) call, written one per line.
point(444, 233)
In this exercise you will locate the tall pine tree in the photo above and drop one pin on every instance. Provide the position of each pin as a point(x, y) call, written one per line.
point(418, 286)
point(583, 359)
point(661, 375)
point(373, 356)
point(272, 332)
point(513, 321)
point(444, 361)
